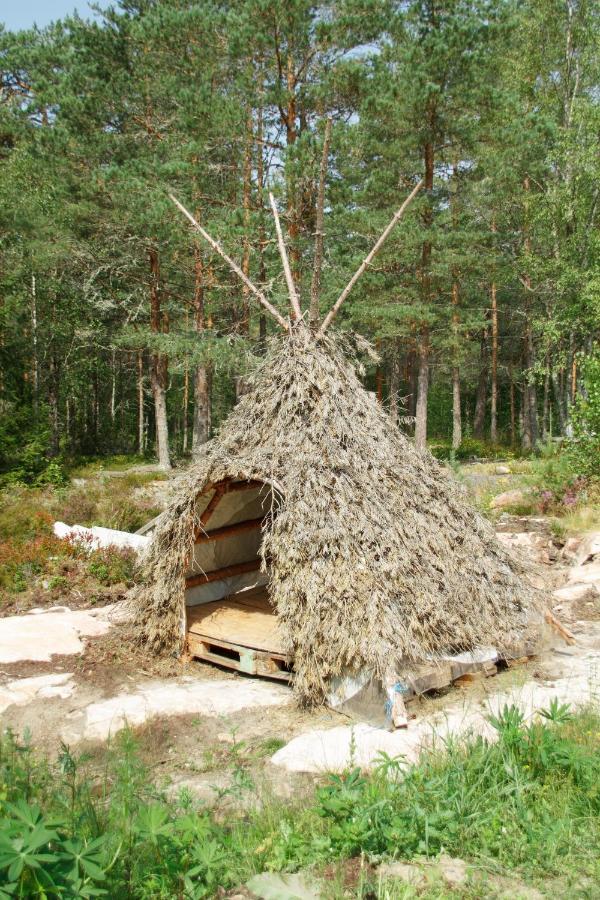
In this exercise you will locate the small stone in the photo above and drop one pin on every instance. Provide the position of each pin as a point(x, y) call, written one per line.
point(502, 470)
point(508, 498)
point(589, 548)
point(226, 738)
point(402, 872)
point(571, 548)
point(573, 592)
point(452, 870)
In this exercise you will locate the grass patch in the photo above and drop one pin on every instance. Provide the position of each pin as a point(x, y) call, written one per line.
point(88, 468)
point(526, 806)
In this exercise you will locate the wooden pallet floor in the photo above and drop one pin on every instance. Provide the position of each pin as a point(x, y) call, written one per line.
point(239, 632)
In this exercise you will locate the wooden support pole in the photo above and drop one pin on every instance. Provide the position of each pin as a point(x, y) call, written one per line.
point(228, 530)
point(232, 265)
point(567, 636)
point(368, 259)
point(252, 565)
point(293, 293)
point(223, 487)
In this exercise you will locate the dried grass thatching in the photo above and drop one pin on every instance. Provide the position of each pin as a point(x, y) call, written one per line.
point(375, 559)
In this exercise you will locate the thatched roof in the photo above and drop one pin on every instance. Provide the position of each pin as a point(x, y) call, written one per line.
point(375, 558)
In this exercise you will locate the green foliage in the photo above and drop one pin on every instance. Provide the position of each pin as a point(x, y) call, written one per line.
point(99, 119)
point(530, 800)
point(470, 449)
point(583, 449)
point(112, 567)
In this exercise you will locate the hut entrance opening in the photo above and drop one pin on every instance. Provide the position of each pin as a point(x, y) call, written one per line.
point(230, 618)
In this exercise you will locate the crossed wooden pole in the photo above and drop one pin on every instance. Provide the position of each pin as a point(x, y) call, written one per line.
point(292, 290)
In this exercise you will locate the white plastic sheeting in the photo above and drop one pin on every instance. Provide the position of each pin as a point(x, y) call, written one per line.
point(234, 507)
point(96, 537)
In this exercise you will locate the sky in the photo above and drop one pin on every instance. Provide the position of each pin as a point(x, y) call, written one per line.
point(24, 13)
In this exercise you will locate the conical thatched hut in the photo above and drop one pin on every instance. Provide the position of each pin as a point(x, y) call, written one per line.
point(373, 559)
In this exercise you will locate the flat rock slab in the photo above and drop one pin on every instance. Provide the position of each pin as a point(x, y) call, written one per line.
point(336, 749)
point(173, 698)
point(588, 573)
point(40, 634)
point(25, 690)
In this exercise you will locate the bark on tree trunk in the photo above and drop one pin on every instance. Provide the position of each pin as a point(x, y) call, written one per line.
point(260, 179)
point(422, 391)
point(186, 402)
point(456, 411)
point(513, 423)
point(34, 339)
point(558, 396)
point(411, 378)
point(291, 132)
point(423, 347)
point(113, 388)
point(319, 235)
point(482, 384)
point(140, 399)
point(202, 378)
point(159, 367)
point(494, 393)
point(246, 203)
point(394, 385)
point(530, 392)
point(546, 413)
point(530, 416)
point(53, 405)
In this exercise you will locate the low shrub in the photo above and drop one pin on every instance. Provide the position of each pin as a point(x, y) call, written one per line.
point(559, 488)
point(111, 566)
point(22, 561)
point(470, 448)
point(528, 801)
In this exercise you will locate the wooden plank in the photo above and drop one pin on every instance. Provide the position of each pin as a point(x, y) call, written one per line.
point(250, 622)
point(252, 565)
point(227, 530)
point(430, 678)
point(250, 662)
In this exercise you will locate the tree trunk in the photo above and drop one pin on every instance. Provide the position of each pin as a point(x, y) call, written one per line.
point(34, 339)
point(291, 133)
point(546, 429)
point(424, 348)
point(494, 393)
point(186, 402)
point(558, 396)
point(140, 399)
point(456, 412)
point(411, 378)
point(53, 407)
point(159, 367)
point(530, 417)
point(319, 226)
point(513, 423)
point(113, 387)
point(482, 385)
point(246, 203)
point(530, 392)
point(394, 384)
point(422, 391)
point(202, 380)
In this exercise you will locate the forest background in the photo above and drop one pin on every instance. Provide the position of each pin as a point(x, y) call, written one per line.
point(121, 333)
